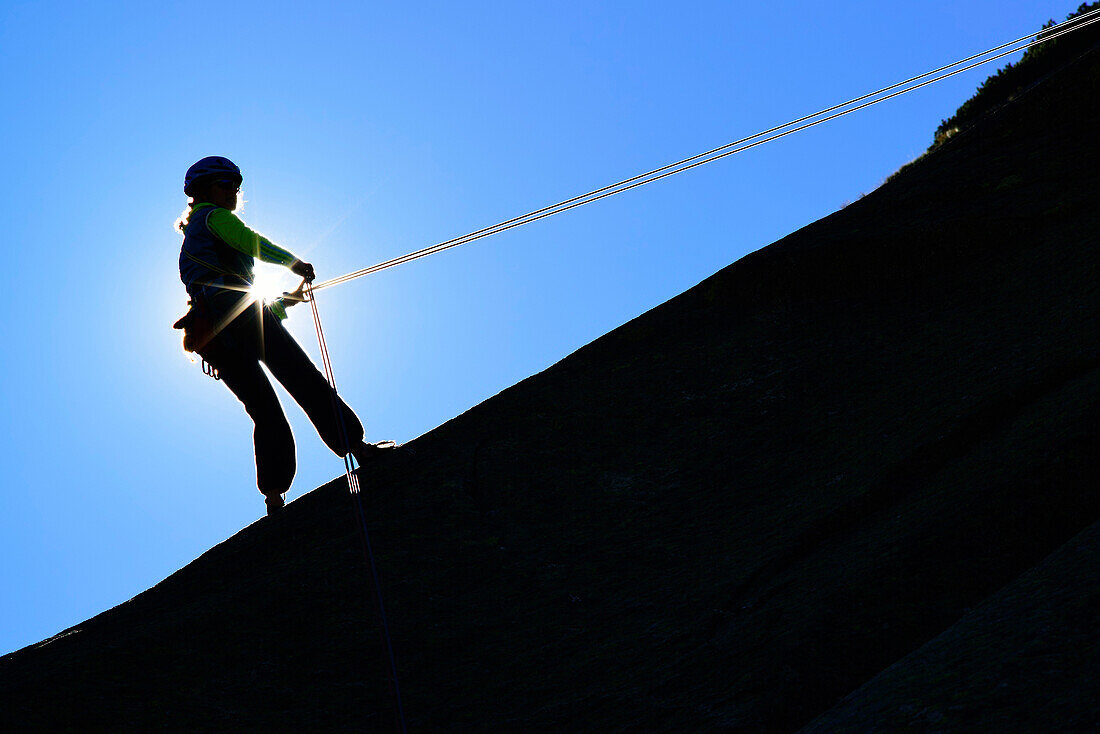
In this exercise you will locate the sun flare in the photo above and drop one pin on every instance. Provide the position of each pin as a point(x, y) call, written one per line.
point(268, 284)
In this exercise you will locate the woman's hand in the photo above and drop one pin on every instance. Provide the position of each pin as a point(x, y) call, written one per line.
point(303, 270)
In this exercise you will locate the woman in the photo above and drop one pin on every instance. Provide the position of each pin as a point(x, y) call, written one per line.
point(216, 266)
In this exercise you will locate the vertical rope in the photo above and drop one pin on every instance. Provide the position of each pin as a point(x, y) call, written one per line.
point(364, 535)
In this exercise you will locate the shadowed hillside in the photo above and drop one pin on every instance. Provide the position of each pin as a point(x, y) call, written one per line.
point(853, 451)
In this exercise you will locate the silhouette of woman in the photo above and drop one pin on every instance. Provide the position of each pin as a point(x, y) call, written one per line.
point(233, 331)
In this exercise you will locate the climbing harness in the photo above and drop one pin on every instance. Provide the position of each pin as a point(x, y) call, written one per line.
point(199, 325)
point(353, 488)
point(737, 146)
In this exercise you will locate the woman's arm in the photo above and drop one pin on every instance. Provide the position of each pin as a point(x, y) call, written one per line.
point(235, 233)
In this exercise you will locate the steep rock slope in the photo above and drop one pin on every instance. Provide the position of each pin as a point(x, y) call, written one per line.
point(1025, 660)
point(725, 515)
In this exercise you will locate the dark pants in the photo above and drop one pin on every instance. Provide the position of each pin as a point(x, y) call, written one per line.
point(256, 336)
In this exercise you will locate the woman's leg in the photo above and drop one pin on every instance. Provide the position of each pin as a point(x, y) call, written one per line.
point(274, 442)
point(309, 388)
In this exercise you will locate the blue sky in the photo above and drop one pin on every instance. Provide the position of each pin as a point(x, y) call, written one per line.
point(365, 131)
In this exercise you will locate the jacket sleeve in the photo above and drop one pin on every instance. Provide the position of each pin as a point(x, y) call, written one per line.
point(278, 308)
point(235, 233)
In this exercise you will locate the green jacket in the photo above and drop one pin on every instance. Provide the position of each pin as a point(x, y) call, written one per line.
point(227, 227)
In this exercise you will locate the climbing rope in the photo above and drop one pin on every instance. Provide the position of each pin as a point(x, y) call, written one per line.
point(353, 488)
point(737, 146)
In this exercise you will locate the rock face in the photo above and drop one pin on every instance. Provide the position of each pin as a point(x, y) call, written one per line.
point(1025, 660)
point(848, 456)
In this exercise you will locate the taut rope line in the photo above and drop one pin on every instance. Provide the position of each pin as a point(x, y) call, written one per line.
point(723, 151)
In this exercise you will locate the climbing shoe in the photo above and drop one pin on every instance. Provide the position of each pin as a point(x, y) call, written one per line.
point(365, 452)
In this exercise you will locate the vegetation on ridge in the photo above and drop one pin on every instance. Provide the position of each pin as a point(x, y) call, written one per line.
point(1037, 62)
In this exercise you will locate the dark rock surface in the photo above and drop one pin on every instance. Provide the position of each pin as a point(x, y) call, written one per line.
point(1025, 660)
point(726, 515)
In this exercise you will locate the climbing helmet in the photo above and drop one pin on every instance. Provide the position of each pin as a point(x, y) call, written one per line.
point(207, 168)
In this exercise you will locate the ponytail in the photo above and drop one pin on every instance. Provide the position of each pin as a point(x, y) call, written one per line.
point(183, 219)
